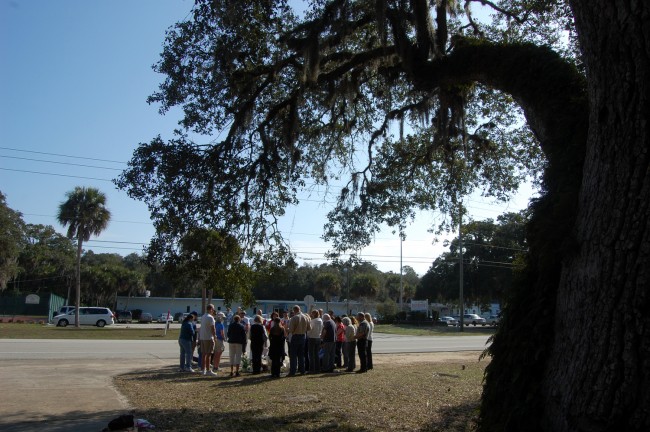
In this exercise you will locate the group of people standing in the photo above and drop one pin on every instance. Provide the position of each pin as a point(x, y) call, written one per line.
point(317, 342)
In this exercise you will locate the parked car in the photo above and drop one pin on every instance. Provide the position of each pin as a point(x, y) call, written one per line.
point(182, 317)
point(98, 316)
point(145, 317)
point(451, 321)
point(493, 320)
point(474, 320)
point(124, 317)
point(165, 317)
point(178, 316)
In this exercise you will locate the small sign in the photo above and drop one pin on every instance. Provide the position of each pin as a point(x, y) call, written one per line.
point(32, 299)
point(420, 305)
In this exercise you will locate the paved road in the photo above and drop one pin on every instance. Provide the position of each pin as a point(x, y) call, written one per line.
point(75, 349)
point(59, 385)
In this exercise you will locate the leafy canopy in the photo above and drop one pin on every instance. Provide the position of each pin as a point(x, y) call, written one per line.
point(12, 240)
point(84, 212)
point(280, 103)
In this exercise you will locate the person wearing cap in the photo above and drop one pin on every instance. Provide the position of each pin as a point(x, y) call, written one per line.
point(361, 337)
point(185, 340)
point(207, 336)
point(219, 343)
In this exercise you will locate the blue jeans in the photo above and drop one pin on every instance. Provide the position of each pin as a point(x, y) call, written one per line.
point(297, 354)
point(350, 349)
point(361, 349)
point(328, 357)
point(314, 361)
point(186, 353)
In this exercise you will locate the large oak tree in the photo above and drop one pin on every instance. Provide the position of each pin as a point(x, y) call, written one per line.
point(294, 100)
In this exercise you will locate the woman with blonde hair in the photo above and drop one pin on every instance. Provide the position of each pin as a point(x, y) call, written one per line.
point(371, 324)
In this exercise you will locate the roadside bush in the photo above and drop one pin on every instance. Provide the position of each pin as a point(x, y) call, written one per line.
point(418, 316)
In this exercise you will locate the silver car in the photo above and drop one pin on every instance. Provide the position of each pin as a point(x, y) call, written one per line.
point(473, 319)
point(165, 317)
point(97, 316)
point(451, 321)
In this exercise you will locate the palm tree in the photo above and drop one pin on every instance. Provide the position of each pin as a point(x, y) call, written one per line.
point(85, 214)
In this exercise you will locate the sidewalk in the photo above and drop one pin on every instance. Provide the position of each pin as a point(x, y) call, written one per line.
point(62, 395)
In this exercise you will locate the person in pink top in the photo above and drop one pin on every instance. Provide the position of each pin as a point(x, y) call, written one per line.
point(340, 338)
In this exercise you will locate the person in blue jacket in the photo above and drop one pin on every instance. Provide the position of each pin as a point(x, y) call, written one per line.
point(185, 341)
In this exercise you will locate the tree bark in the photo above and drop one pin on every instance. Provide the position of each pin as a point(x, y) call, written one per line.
point(585, 366)
point(598, 375)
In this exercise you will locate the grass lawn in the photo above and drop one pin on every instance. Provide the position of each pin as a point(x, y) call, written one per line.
point(42, 331)
point(404, 329)
point(403, 392)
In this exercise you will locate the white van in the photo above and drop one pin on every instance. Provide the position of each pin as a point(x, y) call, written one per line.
point(98, 316)
point(65, 310)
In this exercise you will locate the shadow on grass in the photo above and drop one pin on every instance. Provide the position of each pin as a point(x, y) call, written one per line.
point(223, 379)
point(248, 420)
point(457, 418)
point(22, 421)
point(308, 403)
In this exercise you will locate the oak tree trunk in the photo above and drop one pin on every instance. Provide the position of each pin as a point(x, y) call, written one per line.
point(598, 373)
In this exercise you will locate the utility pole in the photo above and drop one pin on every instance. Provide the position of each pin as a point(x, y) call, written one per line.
point(460, 258)
point(401, 275)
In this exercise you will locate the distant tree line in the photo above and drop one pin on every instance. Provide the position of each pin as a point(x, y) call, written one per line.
point(36, 258)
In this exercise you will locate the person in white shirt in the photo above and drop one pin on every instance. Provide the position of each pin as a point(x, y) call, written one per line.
point(371, 324)
point(207, 337)
point(313, 341)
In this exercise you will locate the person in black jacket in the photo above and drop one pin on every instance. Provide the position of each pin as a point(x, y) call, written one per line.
point(258, 340)
point(236, 341)
point(277, 352)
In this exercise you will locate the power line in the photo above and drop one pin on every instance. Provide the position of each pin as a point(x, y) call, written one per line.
point(120, 221)
point(115, 241)
point(62, 155)
point(35, 280)
point(496, 247)
point(60, 163)
point(54, 174)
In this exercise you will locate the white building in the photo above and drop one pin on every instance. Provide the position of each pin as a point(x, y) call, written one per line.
point(162, 305)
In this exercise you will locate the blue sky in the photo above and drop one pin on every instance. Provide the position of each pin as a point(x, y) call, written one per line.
point(74, 78)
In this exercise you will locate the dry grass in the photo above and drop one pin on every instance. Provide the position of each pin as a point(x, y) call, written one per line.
point(414, 392)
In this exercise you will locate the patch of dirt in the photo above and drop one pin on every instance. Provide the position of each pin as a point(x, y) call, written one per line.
point(437, 357)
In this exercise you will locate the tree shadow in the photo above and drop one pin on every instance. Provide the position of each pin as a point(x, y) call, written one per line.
point(457, 418)
point(247, 420)
point(22, 421)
